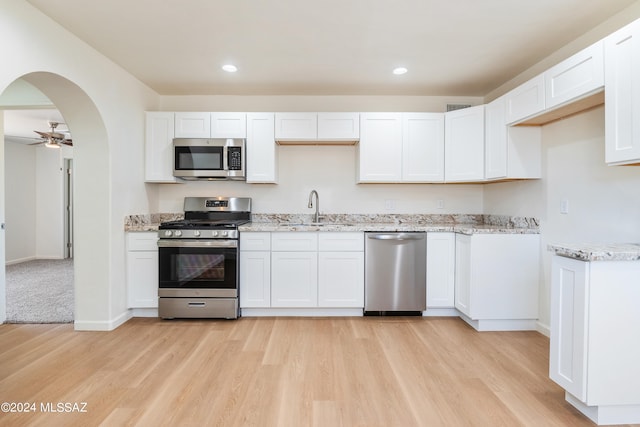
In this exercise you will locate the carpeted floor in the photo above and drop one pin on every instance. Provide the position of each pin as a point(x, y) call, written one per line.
point(40, 291)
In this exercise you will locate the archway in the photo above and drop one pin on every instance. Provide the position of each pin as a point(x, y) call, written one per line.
point(91, 195)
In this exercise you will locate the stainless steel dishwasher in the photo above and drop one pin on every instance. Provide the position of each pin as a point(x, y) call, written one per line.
point(395, 273)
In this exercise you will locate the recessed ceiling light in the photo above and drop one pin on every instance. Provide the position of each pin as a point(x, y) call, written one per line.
point(400, 70)
point(229, 68)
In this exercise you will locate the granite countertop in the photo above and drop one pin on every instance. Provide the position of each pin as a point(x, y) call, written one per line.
point(598, 251)
point(459, 223)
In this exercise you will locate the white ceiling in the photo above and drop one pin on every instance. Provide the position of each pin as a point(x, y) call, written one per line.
point(328, 47)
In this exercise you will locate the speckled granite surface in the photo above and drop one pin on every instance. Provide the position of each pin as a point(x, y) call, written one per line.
point(149, 222)
point(598, 251)
point(459, 223)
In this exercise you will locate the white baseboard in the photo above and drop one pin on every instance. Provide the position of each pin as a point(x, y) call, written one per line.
point(144, 312)
point(543, 329)
point(301, 312)
point(441, 312)
point(102, 325)
point(20, 260)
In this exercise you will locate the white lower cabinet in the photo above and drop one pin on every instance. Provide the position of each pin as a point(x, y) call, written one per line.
point(441, 264)
point(496, 280)
point(255, 279)
point(341, 270)
point(594, 347)
point(142, 270)
point(255, 269)
point(301, 270)
point(294, 279)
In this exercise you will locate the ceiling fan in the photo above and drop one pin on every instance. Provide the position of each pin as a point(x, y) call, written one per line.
point(53, 139)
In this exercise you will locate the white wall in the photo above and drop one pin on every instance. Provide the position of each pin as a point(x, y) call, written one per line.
point(331, 171)
point(104, 108)
point(604, 201)
point(20, 215)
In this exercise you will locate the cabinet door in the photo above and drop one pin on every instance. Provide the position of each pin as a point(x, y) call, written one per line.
point(294, 279)
point(526, 100)
point(380, 148)
point(142, 279)
point(464, 145)
point(228, 125)
point(261, 149)
point(158, 160)
point(441, 264)
point(577, 76)
point(193, 125)
point(622, 95)
point(495, 140)
point(463, 274)
point(569, 316)
point(423, 147)
point(296, 126)
point(255, 279)
point(341, 279)
point(338, 126)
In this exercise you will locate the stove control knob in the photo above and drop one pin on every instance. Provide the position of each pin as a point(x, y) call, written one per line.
point(215, 233)
point(178, 233)
point(196, 233)
point(224, 234)
point(167, 233)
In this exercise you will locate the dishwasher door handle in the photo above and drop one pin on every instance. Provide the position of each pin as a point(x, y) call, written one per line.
point(396, 236)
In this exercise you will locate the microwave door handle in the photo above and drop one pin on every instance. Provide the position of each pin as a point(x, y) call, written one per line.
point(225, 158)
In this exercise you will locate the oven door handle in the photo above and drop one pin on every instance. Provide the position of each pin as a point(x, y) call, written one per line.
point(195, 243)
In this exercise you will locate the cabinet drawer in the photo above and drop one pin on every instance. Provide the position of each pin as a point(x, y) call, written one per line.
point(339, 242)
point(142, 241)
point(255, 241)
point(294, 241)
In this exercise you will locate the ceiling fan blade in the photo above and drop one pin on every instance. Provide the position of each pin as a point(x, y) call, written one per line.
point(55, 135)
point(67, 142)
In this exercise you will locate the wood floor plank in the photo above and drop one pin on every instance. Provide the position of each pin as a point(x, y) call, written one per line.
point(372, 371)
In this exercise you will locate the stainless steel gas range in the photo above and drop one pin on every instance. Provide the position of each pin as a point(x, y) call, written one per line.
point(198, 259)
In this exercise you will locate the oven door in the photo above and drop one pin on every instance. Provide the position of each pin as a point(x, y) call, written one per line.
point(198, 268)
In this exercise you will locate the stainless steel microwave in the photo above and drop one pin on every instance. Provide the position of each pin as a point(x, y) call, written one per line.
point(209, 159)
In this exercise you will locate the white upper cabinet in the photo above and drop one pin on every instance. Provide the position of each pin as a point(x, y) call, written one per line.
point(338, 126)
point(423, 147)
point(622, 95)
point(573, 78)
point(511, 152)
point(317, 127)
point(228, 125)
point(158, 165)
point(296, 126)
point(380, 148)
point(401, 147)
point(210, 125)
point(464, 145)
point(261, 150)
point(526, 100)
point(193, 125)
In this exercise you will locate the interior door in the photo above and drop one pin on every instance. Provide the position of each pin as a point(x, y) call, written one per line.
point(68, 208)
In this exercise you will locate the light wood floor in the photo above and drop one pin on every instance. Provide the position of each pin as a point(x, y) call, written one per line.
point(282, 372)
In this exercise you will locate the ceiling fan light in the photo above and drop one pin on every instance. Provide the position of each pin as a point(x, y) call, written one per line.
point(51, 144)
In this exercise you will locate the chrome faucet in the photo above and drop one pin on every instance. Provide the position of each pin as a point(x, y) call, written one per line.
point(316, 216)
